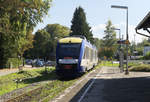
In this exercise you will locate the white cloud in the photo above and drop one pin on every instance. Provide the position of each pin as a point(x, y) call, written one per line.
point(132, 33)
point(98, 31)
point(98, 27)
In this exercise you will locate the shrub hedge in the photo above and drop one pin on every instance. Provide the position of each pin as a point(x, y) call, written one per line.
point(13, 63)
point(147, 56)
point(140, 68)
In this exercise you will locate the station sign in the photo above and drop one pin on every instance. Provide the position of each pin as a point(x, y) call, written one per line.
point(123, 42)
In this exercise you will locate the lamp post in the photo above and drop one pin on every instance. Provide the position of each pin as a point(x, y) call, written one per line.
point(126, 8)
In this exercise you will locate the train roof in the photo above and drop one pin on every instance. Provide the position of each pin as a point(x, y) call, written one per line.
point(71, 40)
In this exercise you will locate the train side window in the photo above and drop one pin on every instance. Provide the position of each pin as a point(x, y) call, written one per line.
point(95, 55)
point(91, 54)
point(84, 57)
point(85, 53)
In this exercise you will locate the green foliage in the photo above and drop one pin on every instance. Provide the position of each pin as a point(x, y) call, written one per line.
point(106, 51)
point(80, 26)
point(8, 84)
point(51, 87)
point(13, 62)
point(133, 64)
point(108, 44)
point(17, 19)
point(98, 43)
point(140, 46)
point(45, 41)
point(140, 68)
point(41, 43)
point(147, 56)
point(109, 64)
point(57, 31)
point(109, 40)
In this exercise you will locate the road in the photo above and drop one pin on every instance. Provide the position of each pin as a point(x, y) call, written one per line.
point(13, 70)
point(109, 85)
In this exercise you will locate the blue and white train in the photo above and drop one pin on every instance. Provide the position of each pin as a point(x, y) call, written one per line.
point(74, 56)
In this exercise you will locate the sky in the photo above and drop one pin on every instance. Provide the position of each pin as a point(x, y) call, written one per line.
point(98, 12)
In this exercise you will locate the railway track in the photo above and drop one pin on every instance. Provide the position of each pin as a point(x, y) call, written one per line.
point(34, 92)
point(21, 95)
point(25, 97)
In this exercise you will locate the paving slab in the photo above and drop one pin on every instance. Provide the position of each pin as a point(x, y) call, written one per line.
point(107, 84)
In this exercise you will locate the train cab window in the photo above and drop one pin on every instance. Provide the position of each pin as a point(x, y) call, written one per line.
point(69, 50)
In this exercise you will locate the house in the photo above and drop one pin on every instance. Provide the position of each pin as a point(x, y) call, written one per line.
point(146, 49)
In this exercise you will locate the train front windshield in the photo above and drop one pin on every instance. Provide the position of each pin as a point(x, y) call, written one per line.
point(69, 50)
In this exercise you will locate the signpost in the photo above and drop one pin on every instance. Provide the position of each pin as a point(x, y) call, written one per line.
point(121, 59)
point(121, 54)
point(123, 42)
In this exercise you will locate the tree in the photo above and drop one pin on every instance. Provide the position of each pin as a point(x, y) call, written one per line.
point(41, 44)
point(141, 45)
point(109, 45)
point(45, 41)
point(17, 19)
point(109, 39)
point(98, 43)
point(56, 32)
point(80, 26)
point(106, 51)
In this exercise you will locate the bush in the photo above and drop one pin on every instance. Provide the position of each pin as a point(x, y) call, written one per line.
point(141, 68)
point(147, 56)
point(13, 63)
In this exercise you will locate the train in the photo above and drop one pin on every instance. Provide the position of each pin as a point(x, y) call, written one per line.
point(74, 56)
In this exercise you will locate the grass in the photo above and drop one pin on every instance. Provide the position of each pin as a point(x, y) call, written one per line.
point(53, 89)
point(60, 86)
point(109, 64)
point(98, 65)
point(131, 64)
point(140, 68)
point(7, 83)
point(50, 89)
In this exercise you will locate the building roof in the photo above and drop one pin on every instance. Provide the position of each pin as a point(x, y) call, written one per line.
point(145, 23)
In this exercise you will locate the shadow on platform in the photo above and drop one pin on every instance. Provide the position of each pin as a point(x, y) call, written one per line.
point(116, 90)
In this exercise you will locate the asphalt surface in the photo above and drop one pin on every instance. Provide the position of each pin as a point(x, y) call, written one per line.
point(7, 71)
point(109, 85)
point(13, 70)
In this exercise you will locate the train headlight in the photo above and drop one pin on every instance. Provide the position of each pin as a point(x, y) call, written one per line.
point(76, 60)
point(60, 60)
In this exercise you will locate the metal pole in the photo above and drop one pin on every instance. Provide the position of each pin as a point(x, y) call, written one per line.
point(120, 65)
point(119, 34)
point(127, 72)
